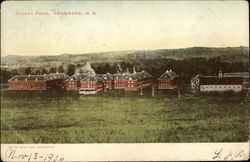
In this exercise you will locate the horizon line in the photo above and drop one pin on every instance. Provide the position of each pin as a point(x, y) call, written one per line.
point(89, 53)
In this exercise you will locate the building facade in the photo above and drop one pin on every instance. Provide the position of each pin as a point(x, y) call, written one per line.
point(107, 79)
point(168, 80)
point(37, 82)
point(119, 81)
point(137, 80)
point(73, 82)
point(218, 83)
point(91, 84)
point(244, 75)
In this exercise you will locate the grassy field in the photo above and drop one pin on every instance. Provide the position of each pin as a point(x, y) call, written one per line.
point(123, 117)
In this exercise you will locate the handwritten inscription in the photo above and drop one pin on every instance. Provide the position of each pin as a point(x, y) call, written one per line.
point(47, 13)
point(12, 154)
point(221, 154)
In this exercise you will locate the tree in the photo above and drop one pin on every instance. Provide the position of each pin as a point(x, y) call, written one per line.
point(60, 69)
point(27, 71)
point(44, 71)
point(53, 70)
point(5, 75)
point(107, 68)
point(71, 69)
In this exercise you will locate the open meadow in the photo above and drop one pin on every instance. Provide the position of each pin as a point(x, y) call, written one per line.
point(123, 117)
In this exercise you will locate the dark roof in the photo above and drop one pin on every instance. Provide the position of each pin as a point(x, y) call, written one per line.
point(237, 74)
point(107, 76)
point(168, 75)
point(27, 77)
point(139, 76)
point(120, 76)
point(215, 80)
point(91, 78)
point(78, 77)
point(53, 76)
point(45, 77)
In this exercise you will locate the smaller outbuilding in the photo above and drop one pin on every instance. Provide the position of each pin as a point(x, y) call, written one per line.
point(218, 83)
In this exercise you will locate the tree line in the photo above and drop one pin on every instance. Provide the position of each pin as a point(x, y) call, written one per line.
point(186, 68)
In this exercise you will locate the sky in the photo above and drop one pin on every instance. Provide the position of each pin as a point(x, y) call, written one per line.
point(121, 25)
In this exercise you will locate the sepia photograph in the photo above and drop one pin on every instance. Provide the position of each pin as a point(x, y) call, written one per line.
point(131, 76)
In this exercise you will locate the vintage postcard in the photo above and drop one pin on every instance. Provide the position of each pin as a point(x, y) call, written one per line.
point(124, 80)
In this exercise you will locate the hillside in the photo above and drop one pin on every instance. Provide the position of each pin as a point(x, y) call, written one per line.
point(228, 54)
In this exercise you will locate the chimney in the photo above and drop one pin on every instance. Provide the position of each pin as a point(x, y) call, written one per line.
point(57, 72)
point(44, 74)
point(170, 70)
point(134, 70)
point(220, 75)
point(166, 71)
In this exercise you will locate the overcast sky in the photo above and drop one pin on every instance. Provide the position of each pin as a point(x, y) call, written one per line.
point(122, 25)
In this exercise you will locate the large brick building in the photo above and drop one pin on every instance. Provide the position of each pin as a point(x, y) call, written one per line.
point(137, 80)
point(91, 84)
point(108, 80)
point(73, 82)
point(119, 81)
point(37, 82)
point(168, 80)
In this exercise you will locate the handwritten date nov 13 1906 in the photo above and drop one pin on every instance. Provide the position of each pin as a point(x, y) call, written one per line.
point(12, 154)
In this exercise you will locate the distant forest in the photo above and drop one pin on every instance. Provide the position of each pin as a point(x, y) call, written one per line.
point(186, 68)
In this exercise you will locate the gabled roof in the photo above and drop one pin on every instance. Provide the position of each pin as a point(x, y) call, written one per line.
point(139, 76)
point(28, 77)
point(53, 76)
point(168, 75)
point(91, 78)
point(120, 76)
point(45, 77)
point(78, 77)
point(107, 76)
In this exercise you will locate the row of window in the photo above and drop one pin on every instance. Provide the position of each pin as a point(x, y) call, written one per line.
point(25, 86)
point(166, 84)
point(203, 87)
point(25, 83)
